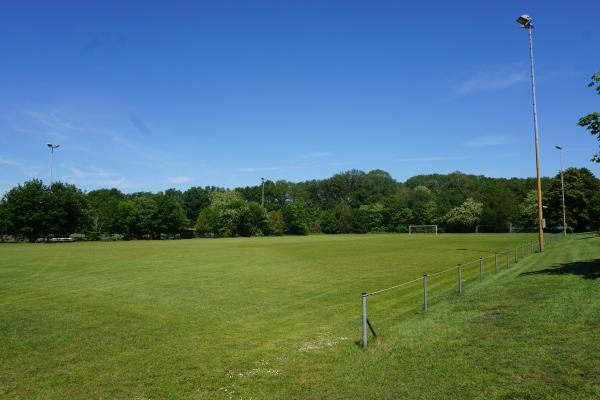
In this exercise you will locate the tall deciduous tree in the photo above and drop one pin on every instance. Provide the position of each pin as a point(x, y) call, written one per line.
point(5, 222)
point(67, 210)
point(294, 217)
point(276, 223)
point(528, 209)
point(592, 120)
point(581, 187)
point(229, 215)
point(465, 216)
point(195, 199)
point(103, 204)
point(499, 206)
point(27, 207)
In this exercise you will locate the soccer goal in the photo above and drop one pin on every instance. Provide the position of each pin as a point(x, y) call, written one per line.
point(422, 229)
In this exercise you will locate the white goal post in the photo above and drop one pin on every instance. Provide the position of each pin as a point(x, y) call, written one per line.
point(422, 229)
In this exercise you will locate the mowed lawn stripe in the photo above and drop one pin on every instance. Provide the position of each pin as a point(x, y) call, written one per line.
point(177, 318)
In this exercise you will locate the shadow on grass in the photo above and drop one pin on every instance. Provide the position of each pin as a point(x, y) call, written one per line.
point(586, 269)
point(585, 237)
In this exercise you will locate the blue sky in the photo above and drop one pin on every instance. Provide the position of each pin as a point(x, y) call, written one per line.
point(178, 94)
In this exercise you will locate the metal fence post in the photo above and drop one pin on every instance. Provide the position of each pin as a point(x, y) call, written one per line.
point(459, 278)
point(364, 320)
point(496, 262)
point(425, 292)
point(480, 268)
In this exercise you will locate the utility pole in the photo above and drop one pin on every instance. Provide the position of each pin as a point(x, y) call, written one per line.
point(52, 147)
point(562, 188)
point(525, 21)
point(262, 202)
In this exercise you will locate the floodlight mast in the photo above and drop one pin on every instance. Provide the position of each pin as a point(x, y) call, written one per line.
point(526, 23)
point(562, 189)
point(52, 147)
point(262, 201)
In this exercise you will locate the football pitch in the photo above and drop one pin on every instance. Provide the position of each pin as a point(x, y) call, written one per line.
point(275, 317)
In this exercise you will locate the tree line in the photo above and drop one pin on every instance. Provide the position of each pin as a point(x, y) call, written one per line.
point(349, 202)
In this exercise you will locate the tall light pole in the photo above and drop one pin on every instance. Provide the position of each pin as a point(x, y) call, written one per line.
point(562, 188)
point(525, 21)
point(262, 202)
point(52, 147)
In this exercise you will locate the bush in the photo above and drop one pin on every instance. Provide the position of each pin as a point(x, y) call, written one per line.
point(276, 223)
point(294, 217)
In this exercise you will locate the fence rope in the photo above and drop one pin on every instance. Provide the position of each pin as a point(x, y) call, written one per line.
point(452, 268)
point(394, 287)
point(438, 273)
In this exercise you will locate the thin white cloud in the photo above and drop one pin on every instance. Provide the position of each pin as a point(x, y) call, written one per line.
point(94, 177)
point(425, 159)
point(316, 154)
point(28, 171)
point(259, 169)
point(179, 179)
point(303, 166)
point(6, 161)
point(487, 141)
point(492, 79)
point(53, 120)
point(86, 172)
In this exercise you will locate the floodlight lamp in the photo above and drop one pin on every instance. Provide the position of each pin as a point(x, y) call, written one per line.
point(53, 146)
point(558, 147)
point(525, 20)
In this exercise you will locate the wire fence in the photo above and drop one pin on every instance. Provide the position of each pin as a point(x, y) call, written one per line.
point(500, 259)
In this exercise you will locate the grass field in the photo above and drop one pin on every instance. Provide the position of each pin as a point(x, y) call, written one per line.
point(280, 318)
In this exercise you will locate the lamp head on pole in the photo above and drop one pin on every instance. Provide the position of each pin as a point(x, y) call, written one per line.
point(53, 145)
point(525, 21)
point(558, 147)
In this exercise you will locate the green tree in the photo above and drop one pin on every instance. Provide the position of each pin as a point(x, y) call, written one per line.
point(195, 199)
point(528, 210)
point(373, 187)
point(328, 222)
point(396, 215)
point(27, 209)
point(422, 205)
point(103, 203)
point(499, 206)
point(169, 216)
point(368, 218)
point(343, 218)
point(294, 217)
point(581, 187)
point(207, 223)
point(129, 219)
point(464, 217)
point(592, 121)
point(276, 223)
point(5, 222)
point(67, 210)
point(229, 215)
point(147, 209)
point(257, 218)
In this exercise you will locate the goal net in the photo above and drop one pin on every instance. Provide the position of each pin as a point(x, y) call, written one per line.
point(422, 229)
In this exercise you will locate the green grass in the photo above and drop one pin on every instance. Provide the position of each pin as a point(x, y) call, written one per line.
point(280, 318)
